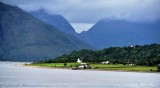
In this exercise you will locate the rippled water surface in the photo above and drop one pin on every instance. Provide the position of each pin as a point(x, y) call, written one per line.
point(14, 76)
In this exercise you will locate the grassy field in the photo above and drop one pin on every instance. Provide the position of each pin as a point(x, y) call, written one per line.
point(108, 67)
point(58, 65)
point(125, 67)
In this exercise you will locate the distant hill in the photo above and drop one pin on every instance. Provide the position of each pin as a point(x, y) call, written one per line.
point(140, 55)
point(108, 33)
point(25, 38)
point(57, 21)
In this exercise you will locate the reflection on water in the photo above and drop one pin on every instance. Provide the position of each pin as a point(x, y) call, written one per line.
point(14, 76)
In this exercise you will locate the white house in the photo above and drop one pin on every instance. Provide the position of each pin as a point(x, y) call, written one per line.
point(105, 62)
point(79, 61)
point(84, 65)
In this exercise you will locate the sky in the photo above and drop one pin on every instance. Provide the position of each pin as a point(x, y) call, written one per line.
point(83, 14)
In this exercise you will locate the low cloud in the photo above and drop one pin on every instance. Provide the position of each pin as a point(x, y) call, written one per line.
point(91, 11)
point(79, 27)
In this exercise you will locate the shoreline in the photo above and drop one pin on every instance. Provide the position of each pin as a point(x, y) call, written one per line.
point(44, 67)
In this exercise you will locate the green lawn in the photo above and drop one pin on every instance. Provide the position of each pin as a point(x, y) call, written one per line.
point(58, 65)
point(120, 67)
point(124, 67)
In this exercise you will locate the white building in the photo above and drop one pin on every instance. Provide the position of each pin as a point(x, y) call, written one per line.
point(105, 62)
point(84, 65)
point(79, 61)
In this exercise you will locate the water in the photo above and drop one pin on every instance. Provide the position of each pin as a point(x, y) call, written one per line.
point(13, 76)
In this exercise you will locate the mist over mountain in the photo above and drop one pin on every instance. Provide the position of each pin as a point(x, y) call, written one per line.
point(25, 38)
point(57, 21)
point(109, 33)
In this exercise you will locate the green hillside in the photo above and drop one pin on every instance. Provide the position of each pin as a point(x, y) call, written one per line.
point(139, 55)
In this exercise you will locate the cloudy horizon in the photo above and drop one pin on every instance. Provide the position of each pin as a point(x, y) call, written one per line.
point(83, 14)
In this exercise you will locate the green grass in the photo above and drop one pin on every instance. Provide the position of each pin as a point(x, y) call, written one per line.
point(124, 67)
point(119, 67)
point(58, 65)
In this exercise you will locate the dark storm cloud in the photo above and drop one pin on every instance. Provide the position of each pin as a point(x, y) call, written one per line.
point(91, 11)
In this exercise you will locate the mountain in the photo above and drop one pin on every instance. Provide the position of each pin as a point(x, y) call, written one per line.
point(57, 21)
point(25, 38)
point(109, 33)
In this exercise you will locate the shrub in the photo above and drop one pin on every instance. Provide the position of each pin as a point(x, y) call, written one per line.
point(65, 64)
point(158, 68)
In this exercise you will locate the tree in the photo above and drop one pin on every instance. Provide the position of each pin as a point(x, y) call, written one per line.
point(65, 64)
point(158, 68)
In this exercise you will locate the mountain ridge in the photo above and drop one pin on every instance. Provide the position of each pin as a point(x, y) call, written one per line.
point(25, 38)
point(56, 20)
point(121, 33)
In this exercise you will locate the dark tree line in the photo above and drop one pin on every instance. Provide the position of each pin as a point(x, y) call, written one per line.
point(140, 55)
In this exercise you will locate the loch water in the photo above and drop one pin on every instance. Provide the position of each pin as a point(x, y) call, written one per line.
point(13, 75)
